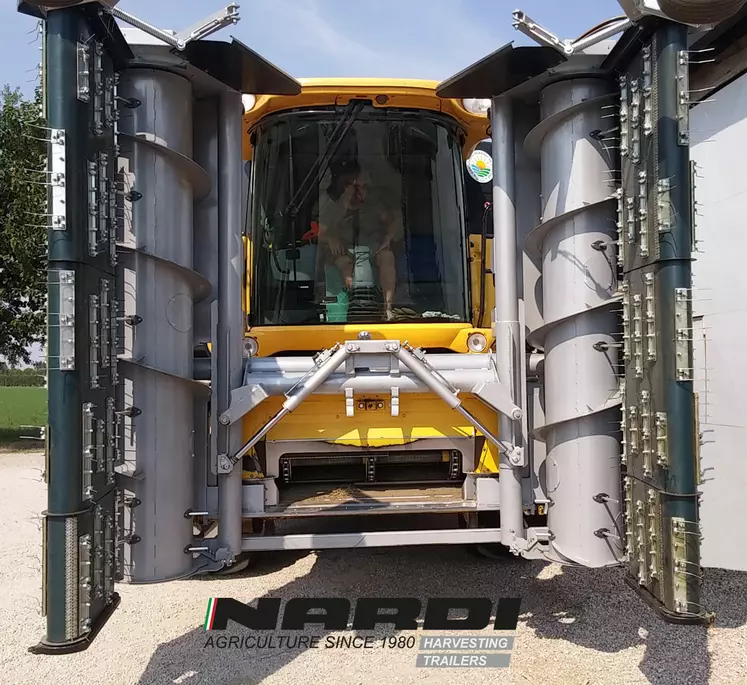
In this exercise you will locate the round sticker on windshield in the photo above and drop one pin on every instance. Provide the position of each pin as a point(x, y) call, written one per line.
point(480, 166)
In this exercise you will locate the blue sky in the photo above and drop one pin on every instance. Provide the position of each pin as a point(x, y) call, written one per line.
point(395, 38)
point(430, 39)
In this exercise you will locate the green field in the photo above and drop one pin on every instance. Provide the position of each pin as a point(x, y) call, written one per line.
point(21, 407)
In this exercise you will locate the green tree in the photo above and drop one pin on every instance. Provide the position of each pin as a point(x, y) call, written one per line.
point(23, 237)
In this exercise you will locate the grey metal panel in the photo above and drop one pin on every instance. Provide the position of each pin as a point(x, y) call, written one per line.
point(577, 382)
point(205, 242)
point(575, 169)
point(153, 53)
point(153, 214)
point(506, 323)
point(487, 493)
point(230, 315)
point(205, 238)
point(536, 417)
point(164, 338)
point(583, 276)
point(158, 449)
point(201, 478)
point(581, 386)
point(363, 381)
point(398, 538)
point(582, 462)
point(440, 362)
point(179, 163)
point(211, 499)
point(719, 134)
point(528, 213)
point(557, 114)
point(198, 284)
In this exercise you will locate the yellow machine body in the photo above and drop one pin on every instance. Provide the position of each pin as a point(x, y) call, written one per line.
point(322, 417)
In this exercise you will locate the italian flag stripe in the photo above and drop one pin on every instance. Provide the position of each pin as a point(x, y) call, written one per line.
point(210, 615)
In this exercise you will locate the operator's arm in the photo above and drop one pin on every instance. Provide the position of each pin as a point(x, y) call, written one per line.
point(391, 226)
point(328, 220)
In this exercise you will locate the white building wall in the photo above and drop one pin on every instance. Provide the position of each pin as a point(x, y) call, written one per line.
point(719, 137)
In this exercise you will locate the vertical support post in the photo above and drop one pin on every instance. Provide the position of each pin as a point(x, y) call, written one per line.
point(663, 531)
point(679, 502)
point(675, 279)
point(230, 314)
point(80, 533)
point(205, 262)
point(506, 324)
point(205, 132)
point(64, 396)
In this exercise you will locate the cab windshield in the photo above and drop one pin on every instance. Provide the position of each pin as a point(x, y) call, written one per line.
point(357, 216)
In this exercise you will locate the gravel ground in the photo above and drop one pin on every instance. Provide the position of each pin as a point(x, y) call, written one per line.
point(580, 627)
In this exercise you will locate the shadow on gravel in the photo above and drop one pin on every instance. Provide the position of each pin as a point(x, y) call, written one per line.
point(597, 610)
point(590, 608)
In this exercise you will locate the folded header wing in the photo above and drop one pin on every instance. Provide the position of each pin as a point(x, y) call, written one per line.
point(240, 68)
point(499, 72)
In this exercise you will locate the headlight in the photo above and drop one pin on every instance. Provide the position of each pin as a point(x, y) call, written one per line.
point(476, 106)
point(248, 101)
point(251, 347)
point(477, 342)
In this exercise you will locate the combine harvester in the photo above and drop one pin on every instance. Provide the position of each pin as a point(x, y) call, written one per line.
point(275, 301)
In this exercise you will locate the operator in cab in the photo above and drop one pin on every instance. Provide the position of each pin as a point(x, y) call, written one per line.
point(352, 215)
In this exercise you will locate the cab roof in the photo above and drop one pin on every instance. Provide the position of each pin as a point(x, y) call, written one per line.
point(383, 92)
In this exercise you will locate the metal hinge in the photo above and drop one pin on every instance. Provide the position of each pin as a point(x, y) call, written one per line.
point(683, 330)
point(648, 126)
point(83, 55)
point(643, 212)
point(662, 446)
point(67, 319)
point(645, 418)
point(664, 205)
point(683, 97)
point(624, 117)
point(621, 242)
point(57, 167)
point(637, 337)
point(650, 303)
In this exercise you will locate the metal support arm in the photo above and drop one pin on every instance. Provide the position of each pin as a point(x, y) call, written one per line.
point(448, 394)
point(529, 27)
point(322, 377)
point(260, 386)
point(215, 22)
point(327, 364)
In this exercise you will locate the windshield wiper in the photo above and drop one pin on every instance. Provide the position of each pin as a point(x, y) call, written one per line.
point(322, 163)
